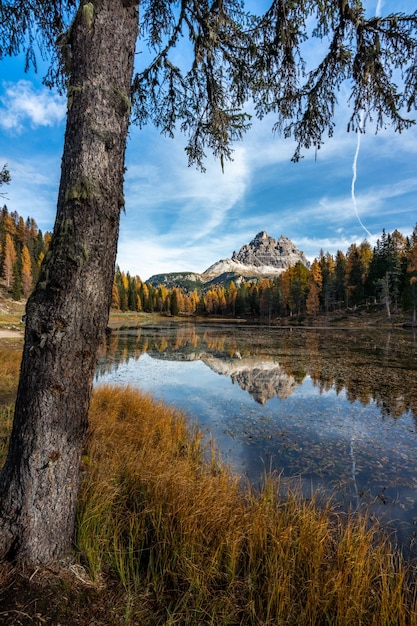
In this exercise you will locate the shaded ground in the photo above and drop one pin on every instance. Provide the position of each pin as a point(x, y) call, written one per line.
point(49, 598)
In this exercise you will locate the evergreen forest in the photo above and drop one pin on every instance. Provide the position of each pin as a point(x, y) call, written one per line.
point(384, 276)
point(381, 277)
point(22, 249)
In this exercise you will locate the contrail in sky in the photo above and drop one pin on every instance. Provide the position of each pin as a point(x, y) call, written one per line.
point(358, 147)
point(354, 169)
point(354, 176)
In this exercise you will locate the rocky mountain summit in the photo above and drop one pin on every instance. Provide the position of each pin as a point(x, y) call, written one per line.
point(264, 251)
point(262, 257)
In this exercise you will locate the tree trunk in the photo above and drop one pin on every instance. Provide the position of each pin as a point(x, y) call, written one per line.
point(68, 311)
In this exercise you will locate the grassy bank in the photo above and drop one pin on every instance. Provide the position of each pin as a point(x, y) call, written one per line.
point(190, 546)
point(10, 358)
point(165, 536)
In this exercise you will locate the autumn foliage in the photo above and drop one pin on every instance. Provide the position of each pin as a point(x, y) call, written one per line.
point(22, 248)
point(385, 275)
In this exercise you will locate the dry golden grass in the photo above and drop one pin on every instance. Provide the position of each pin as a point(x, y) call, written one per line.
point(6, 421)
point(10, 358)
point(191, 546)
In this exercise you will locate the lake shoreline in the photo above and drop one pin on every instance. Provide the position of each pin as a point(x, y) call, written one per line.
point(344, 321)
point(362, 317)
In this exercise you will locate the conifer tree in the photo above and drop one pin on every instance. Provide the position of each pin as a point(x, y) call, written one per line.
point(328, 288)
point(4, 177)
point(315, 282)
point(139, 306)
point(313, 300)
point(10, 258)
point(26, 272)
point(412, 272)
point(299, 286)
point(232, 298)
point(174, 306)
point(285, 282)
point(131, 292)
point(115, 299)
point(17, 278)
point(162, 295)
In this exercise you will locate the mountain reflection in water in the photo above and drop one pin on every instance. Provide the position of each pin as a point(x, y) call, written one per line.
point(268, 362)
point(334, 408)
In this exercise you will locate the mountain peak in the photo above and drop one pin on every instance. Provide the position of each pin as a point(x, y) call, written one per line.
point(265, 251)
point(262, 235)
point(263, 256)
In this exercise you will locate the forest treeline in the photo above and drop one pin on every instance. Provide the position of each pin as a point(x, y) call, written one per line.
point(384, 275)
point(22, 249)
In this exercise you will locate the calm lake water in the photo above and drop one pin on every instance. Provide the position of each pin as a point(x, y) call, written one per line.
point(334, 410)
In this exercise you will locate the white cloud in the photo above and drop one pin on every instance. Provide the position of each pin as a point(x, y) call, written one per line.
point(146, 256)
point(34, 187)
point(21, 105)
point(181, 220)
point(169, 197)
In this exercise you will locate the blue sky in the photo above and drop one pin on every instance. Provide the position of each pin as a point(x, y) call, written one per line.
point(179, 219)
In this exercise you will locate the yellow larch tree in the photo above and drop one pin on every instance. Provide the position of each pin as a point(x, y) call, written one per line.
point(40, 259)
point(9, 260)
point(115, 298)
point(315, 282)
point(161, 297)
point(195, 299)
point(27, 281)
point(232, 295)
point(47, 240)
point(139, 306)
point(313, 301)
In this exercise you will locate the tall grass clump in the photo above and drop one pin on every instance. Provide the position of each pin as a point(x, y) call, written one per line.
point(6, 422)
point(192, 546)
point(10, 359)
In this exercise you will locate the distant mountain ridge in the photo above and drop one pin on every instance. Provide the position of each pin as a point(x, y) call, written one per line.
point(262, 257)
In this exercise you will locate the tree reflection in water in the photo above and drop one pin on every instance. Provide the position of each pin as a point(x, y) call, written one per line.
point(334, 408)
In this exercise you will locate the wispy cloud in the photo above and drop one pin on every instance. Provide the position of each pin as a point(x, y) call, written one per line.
point(33, 190)
point(170, 197)
point(195, 219)
point(146, 256)
point(22, 105)
point(178, 219)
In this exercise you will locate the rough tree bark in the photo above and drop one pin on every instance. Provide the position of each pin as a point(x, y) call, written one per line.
point(68, 311)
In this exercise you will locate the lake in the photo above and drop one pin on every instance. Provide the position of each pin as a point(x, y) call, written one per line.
point(333, 410)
